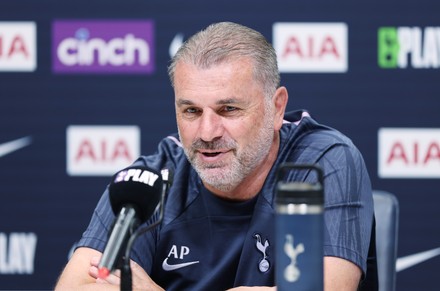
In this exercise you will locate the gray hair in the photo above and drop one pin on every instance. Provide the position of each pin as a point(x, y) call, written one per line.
point(221, 42)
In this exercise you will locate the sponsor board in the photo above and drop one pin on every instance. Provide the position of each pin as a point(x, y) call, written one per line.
point(408, 47)
point(311, 47)
point(106, 47)
point(409, 153)
point(17, 253)
point(18, 46)
point(101, 150)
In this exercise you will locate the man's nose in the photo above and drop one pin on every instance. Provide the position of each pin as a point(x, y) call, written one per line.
point(210, 126)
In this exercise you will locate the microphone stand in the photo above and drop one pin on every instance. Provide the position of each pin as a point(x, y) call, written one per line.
point(126, 276)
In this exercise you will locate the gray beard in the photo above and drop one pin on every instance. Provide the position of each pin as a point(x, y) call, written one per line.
point(242, 165)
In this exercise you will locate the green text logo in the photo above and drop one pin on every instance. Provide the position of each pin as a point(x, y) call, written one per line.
point(403, 47)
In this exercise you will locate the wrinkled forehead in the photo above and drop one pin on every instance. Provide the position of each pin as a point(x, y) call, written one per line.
point(232, 71)
point(235, 63)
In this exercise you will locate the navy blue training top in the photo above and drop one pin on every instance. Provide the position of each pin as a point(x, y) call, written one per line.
point(206, 243)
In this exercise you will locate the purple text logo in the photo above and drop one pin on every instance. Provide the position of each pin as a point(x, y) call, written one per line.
point(109, 47)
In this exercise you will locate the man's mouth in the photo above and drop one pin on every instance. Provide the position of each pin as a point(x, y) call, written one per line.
point(211, 154)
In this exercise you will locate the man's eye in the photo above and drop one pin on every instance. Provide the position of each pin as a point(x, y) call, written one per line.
point(229, 108)
point(190, 110)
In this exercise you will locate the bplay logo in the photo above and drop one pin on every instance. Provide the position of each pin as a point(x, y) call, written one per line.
point(101, 150)
point(311, 47)
point(409, 153)
point(17, 253)
point(18, 46)
point(103, 47)
point(137, 175)
point(403, 47)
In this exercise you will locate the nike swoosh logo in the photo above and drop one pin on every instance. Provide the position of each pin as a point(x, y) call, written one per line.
point(12, 146)
point(415, 259)
point(168, 267)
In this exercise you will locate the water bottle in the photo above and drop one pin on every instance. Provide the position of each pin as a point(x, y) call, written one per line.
point(299, 231)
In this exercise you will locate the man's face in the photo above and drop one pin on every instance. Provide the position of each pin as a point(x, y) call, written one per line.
point(224, 122)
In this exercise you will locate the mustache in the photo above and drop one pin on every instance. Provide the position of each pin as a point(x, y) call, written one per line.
point(217, 144)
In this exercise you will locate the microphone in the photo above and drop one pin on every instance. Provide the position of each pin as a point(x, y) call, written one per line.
point(134, 193)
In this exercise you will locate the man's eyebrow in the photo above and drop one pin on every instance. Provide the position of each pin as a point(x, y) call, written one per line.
point(186, 102)
point(228, 101)
point(182, 102)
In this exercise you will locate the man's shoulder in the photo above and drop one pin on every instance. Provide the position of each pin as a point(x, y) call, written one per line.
point(304, 140)
point(300, 128)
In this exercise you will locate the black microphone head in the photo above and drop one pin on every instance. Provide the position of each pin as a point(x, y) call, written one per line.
point(138, 186)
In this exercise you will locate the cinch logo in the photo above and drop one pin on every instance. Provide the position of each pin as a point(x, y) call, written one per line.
point(409, 153)
point(101, 150)
point(18, 46)
point(400, 47)
point(311, 47)
point(103, 47)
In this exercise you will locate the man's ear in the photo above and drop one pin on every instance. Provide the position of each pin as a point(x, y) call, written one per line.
point(279, 100)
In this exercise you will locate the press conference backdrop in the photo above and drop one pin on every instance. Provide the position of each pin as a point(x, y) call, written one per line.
point(84, 91)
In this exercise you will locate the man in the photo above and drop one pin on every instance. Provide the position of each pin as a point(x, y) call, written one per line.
point(233, 135)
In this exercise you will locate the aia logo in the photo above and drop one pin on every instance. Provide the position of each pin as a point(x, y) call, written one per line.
point(18, 47)
point(409, 153)
point(101, 150)
point(103, 46)
point(311, 47)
